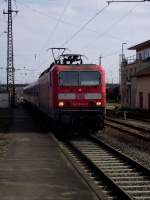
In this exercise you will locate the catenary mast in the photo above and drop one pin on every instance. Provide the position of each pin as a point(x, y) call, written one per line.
point(10, 56)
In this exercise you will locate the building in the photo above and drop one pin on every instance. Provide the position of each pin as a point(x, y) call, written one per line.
point(135, 78)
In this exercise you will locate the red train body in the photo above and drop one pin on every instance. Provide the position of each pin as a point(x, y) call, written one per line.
point(71, 94)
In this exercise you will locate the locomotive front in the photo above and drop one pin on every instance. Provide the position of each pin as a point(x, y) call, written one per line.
point(80, 97)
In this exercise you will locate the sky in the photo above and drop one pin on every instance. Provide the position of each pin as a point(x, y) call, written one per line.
point(42, 24)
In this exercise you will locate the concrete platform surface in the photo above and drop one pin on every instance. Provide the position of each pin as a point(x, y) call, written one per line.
point(35, 169)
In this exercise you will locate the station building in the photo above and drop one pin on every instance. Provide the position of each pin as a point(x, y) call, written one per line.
point(135, 77)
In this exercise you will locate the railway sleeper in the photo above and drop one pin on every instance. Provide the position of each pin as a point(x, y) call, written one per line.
point(118, 170)
point(128, 178)
point(110, 162)
point(97, 153)
point(104, 159)
point(137, 193)
point(142, 198)
point(122, 174)
point(136, 187)
point(142, 183)
point(114, 167)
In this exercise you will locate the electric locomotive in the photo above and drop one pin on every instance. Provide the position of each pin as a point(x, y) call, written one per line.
point(70, 92)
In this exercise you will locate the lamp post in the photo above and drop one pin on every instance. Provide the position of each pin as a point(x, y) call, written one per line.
point(121, 73)
point(123, 50)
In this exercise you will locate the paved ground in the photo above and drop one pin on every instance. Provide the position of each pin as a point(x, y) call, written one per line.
point(34, 168)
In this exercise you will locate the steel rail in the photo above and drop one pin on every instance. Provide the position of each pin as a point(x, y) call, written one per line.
point(140, 128)
point(121, 155)
point(99, 174)
point(112, 168)
point(134, 131)
point(119, 166)
point(81, 171)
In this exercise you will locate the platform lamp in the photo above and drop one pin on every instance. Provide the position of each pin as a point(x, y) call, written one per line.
point(124, 43)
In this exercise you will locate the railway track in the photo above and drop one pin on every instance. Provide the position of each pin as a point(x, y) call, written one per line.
point(131, 116)
point(141, 132)
point(114, 175)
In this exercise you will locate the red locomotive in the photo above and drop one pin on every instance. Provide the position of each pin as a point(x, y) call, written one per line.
point(70, 92)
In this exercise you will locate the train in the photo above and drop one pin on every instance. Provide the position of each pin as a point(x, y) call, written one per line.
point(70, 93)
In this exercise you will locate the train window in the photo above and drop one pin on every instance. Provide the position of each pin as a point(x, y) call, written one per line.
point(70, 78)
point(89, 78)
point(79, 78)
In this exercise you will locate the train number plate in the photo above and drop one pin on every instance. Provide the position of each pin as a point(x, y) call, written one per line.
point(80, 96)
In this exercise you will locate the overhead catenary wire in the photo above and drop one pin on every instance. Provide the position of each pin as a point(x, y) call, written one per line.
point(58, 20)
point(113, 53)
point(62, 21)
point(104, 33)
point(110, 28)
point(117, 37)
point(84, 26)
point(4, 31)
point(52, 17)
point(51, 36)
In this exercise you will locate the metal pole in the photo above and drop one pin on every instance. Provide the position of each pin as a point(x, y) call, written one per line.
point(10, 56)
point(123, 51)
point(121, 73)
point(100, 60)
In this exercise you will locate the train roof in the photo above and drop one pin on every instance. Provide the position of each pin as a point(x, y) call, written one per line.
point(67, 66)
point(30, 85)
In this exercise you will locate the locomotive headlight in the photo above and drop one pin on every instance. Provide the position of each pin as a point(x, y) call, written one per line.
point(61, 104)
point(98, 103)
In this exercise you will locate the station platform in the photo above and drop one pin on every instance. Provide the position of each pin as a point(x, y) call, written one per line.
point(34, 168)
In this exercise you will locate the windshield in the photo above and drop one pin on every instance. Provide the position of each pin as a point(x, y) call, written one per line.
point(68, 78)
point(79, 78)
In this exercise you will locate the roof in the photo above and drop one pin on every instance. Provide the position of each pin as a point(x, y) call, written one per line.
point(140, 46)
point(144, 72)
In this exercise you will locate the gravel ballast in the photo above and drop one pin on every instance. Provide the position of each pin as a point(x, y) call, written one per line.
point(135, 148)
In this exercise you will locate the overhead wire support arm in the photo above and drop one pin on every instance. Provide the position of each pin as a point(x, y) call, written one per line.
point(109, 2)
point(85, 25)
